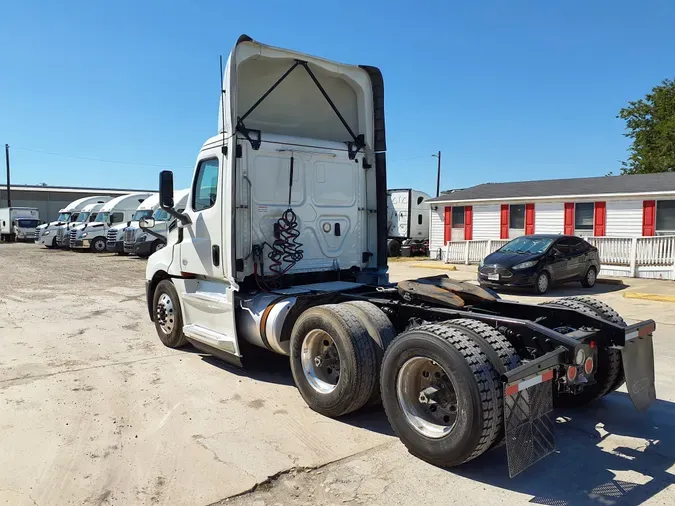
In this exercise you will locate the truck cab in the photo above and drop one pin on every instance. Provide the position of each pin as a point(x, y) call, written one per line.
point(87, 215)
point(18, 223)
point(115, 237)
point(407, 220)
point(92, 235)
point(46, 233)
point(143, 242)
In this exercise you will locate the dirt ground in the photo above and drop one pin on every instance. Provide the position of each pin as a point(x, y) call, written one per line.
point(94, 410)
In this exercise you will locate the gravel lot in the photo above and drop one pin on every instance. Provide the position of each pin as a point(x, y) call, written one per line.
point(94, 410)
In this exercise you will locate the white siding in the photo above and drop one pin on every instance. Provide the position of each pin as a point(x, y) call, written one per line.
point(436, 231)
point(549, 218)
point(624, 218)
point(486, 221)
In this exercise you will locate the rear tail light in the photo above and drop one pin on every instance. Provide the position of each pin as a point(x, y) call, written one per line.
point(571, 373)
point(588, 365)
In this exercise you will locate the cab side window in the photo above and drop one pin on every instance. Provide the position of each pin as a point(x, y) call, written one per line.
point(116, 217)
point(205, 188)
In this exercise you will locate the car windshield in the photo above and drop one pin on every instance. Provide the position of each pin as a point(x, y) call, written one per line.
point(102, 217)
point(63, 217)
point(527, 245)
point(83, 217)
point(27, 223)
point(139, 215)
point(161, 215)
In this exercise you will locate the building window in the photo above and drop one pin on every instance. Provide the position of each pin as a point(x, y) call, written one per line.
point(583, 217)
point(419, 219)
point(665, 217)
point(517, 217)
point(419, 200)
point(458, 217)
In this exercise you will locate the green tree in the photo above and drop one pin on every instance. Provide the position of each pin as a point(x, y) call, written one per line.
point(650, 122)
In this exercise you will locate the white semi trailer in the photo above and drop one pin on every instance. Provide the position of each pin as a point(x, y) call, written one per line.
point(144, 243)
point(407, 220)
point(92, 236)
point(46, 233)
point(18, 223)
point(283, 246)
point(115, 237)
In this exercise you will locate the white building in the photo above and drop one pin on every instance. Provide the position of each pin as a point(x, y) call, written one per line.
point(629, 206)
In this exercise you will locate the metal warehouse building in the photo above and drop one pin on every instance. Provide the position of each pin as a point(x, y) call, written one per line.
point(49, 199)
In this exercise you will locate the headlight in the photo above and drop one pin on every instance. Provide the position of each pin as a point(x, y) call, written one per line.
point(47, 232)
point(83, 235)
point(142, 238)
point(525, 265)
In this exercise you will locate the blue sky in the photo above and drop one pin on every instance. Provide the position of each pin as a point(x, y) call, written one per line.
point(507, 90)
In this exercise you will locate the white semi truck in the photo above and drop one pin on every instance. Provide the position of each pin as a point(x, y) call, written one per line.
point(92, 236)
point(46, 233)
point(144, 243)
point(407, 220)
point(115, 237)
point(87, 215)
point(282, 246)
point(18, 223)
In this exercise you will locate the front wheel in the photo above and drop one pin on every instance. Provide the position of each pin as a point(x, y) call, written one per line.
point(542, 283)
point(393, 248)
point(98, 245)
point(167, 315)
point(590, 278)
point(156, 246)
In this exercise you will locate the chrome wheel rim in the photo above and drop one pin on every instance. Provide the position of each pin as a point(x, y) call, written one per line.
point(427, 397)
point(320, 361)
point(165, 313)
point(590, 277)
point(542, 283)
point(99, 245)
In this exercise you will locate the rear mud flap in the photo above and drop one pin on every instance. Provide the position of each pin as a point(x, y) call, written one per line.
point(528, 423)
point(638, 365)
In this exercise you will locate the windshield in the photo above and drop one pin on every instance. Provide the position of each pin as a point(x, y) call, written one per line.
point(161, 215)
point(63, 217)
point(102, 217)
point(27, 223)
point(139, 215)
point(83, 217)
point(527, 245)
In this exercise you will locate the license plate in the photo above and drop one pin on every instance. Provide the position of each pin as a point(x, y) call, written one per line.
point(493, 277)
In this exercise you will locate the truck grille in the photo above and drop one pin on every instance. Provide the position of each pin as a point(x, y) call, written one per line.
point(61, 235)
point(112, 237)
point(73, 236)
point(37, 234)
point(129, 235)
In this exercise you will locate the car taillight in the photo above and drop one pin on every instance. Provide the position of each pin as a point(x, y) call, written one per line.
point(588, 365)
point(571, 373)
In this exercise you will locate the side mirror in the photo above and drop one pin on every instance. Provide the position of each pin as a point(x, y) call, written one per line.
point(146, 223)
point(166, 189)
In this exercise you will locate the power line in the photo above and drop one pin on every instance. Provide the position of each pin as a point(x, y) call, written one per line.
point(406, 159)
point(96, 159)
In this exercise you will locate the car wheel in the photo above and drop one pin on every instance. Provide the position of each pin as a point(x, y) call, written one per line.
point(590, 278)
point(541, 283)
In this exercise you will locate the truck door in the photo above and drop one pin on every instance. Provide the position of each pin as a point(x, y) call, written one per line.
point(206, 294)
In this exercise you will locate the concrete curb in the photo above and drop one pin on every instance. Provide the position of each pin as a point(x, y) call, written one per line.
point(649, 296)
point(610, 281)
point(443, 267)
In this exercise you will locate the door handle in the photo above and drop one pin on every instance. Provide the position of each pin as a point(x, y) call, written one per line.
point(215, 255)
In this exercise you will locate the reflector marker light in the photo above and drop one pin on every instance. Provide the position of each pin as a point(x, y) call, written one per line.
point(514, 388)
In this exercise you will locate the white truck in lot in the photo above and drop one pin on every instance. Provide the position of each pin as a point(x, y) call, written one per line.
point(282, 246)
point(46, 233)
point(18, 223)
point(115, 237)
point(407, 220)
point(92, 235)
point(87, 215)
point(144, 243)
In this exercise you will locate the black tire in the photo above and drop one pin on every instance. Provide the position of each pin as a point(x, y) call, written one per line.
point(606, 312)
point(607, 368)
point(172, 337)
point(381, 331)
point(393, 247)
point(540, 286)
point(590, 277)
point(122, 253)
point(98, 245)
point(357, 375)
point(479, 411)
point(156, 245)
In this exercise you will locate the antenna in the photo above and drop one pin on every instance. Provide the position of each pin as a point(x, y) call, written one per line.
point(223, 149)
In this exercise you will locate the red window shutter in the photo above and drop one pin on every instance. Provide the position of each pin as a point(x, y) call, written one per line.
point(569, 218)
point(529, 219)
point(648, 217)
point(504, 224)
point(447, 225)
point(600, 218)
point(468, 223)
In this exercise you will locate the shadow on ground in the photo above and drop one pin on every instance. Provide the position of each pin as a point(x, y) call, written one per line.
point(581, 471)
point(567, 290)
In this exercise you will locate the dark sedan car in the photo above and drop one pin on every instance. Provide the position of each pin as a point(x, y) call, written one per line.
point(538, 261)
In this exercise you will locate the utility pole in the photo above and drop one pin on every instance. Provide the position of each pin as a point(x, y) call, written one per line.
point(438, 175)
point(9, 194)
